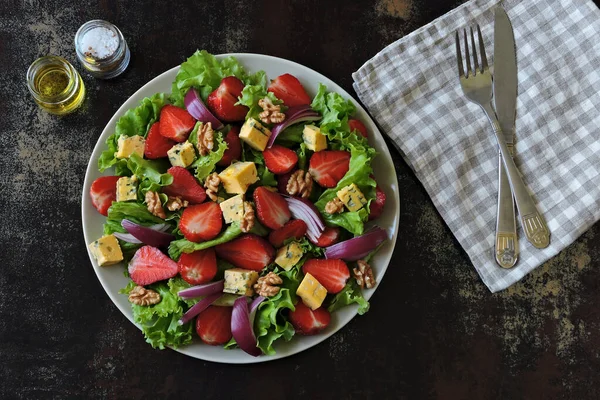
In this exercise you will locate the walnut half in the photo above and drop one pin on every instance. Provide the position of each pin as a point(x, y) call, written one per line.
point(300, 183)
point(247, 222)
point(364, 275)
point(266, 285)
point(271, 113)
point(334, 206)
point(211, 184)
point(205, 139)
point(175, 203)
point(143, 297)
point(154, 204)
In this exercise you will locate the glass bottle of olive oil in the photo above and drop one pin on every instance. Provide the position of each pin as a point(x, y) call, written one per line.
point(55, 85)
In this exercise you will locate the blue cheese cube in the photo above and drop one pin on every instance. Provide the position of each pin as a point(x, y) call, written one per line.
point(106, 250)
point(313, 138)
point(127, 188)
point(182, 154)
point(255, 134)
point(352, 197)
point(289, 255)
point(233, 209)
point(127, 145)
point(240, 281)
point(311, 292)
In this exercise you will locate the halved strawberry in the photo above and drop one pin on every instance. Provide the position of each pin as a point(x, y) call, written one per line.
point(307, 321)
point(156, 144)
point(295, 228)
point(103, 192)
point(150, 265)
point(198, 267)
point(222, 100)
point(271, 208)
point(201, 221)
point(175, 123)
point(356, 125)
point(249, 251)
point(327, 167)
point(213, 325)
point(331, 273)
point(234, 147)
point(288, 88)
point(282, 181)
point(279, 159)
point(185, 185)
point(376, 207)
point(329, 236)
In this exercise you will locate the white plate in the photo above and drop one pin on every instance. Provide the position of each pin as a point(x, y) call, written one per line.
point(112, 278)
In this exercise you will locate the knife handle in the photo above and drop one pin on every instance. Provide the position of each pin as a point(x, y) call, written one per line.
point(533, 222)
point(507, 245)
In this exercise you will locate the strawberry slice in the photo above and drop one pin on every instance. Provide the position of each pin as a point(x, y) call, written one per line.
point(376, 207)
point(222, 100)
point(234, 147)
point(271, 208)
point(356, 125)
point(201, 221)
point(249, 251)
point(185, 185)
point(198, 267)
point(213, 325)
point(328, 167)
point(288, 88)
point(279, 159)
point(156, 144)
point(295, 228)
point(329, 236)
point(176, 123)
point(103, 192)
point(149, 265)
point(331, 273)
point(282, 181)
point(307, 321)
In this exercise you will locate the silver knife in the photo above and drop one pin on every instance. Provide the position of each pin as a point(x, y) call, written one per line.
point(505, 102)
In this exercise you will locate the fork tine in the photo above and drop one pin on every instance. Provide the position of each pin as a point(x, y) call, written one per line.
point(467, 56)
point(461, 71)
point(484, 63)
point(475, 60)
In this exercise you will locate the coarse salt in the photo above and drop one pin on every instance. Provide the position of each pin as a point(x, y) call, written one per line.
point(99, 43)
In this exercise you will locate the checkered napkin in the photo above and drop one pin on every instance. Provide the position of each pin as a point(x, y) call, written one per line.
point(412, 90)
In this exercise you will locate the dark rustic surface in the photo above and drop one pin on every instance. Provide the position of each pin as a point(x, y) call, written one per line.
point(61, 337)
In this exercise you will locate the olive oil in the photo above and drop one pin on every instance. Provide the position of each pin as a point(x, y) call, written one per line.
point(55, 85)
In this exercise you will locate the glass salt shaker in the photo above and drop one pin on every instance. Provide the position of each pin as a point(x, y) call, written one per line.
point(101, 49)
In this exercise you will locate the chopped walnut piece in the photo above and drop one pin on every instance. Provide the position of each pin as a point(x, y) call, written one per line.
point(301, 183)
point(143, 297)
point(175, 203)
point(271, 113)
point(205, 139)
point(334, 206)
point(247, 222)
point(364, 274)
point(154, 205)
point(266, 285)
point(211, 184)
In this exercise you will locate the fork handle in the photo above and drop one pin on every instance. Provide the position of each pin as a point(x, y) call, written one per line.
point(533, 222)
point(507, 245)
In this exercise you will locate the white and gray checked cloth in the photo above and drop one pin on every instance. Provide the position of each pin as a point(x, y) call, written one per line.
point(411, 88)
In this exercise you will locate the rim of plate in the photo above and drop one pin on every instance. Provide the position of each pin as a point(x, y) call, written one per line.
point(341, 317)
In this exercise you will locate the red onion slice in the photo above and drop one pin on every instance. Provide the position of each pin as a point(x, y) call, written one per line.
point(199, 307)
point(127, 237)
point(242, 329)
point(292, 116)
point(147, 235)
point(255, 303)
point(195, 106)
point(358, 247)
point(303, 209)
point(201, 290)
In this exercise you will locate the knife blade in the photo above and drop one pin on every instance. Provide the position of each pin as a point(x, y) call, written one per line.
point(505, 103)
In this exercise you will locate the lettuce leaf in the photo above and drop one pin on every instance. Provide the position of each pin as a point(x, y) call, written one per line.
point(159, 322)
point(350, 294)
point(135, 212)
point(334, 108)
point(204, 72)
point(253, 92)
point(136, 121)
point(291, 136)
point(185, 246)
point(205, 165)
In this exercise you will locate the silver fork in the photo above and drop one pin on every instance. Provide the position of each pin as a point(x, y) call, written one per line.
point(476, 84)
